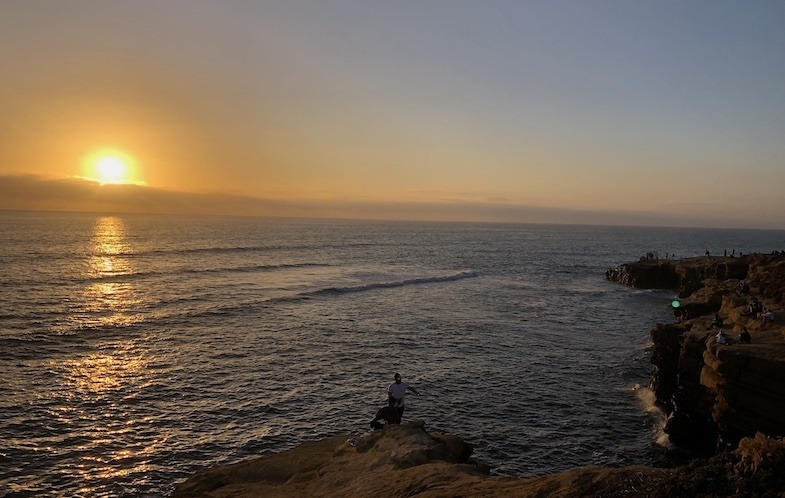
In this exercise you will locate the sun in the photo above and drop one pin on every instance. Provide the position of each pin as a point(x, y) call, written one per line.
point(110, 166)
point(111, 169)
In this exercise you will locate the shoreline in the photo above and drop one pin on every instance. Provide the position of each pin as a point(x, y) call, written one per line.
point(718, 408)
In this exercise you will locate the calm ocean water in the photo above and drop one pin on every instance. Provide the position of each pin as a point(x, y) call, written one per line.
point(136, 350)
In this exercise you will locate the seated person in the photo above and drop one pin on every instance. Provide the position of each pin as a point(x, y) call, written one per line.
point(766, 315)
point(717, 323)
point(752, 307)
point(722, 338)
point(388, 414)
point(744, 337)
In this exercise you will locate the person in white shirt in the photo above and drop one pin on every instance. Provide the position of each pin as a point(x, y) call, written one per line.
point(397, 390)
point(721, 338)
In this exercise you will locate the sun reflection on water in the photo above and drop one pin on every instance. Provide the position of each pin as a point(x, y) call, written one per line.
point(97, 387)
point(109, 245)
point(99, 373)
point(110, 298)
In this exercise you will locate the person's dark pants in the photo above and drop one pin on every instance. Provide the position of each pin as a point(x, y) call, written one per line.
point(400, 412)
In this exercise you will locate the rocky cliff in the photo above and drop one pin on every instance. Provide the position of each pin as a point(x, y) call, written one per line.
point(407, 461)
point(717, 394)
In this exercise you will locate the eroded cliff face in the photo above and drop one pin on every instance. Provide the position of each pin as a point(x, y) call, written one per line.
point(714, 394)
point(685, 276)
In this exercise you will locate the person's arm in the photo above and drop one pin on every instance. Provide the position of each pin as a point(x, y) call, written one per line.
point(412, 389)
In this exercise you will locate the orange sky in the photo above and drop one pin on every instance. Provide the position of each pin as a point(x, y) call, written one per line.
point(563, 111)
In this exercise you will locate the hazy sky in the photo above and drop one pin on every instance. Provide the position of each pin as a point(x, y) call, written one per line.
point(631, 112)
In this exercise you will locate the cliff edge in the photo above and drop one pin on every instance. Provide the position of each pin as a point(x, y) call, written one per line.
point(405, 460)
point(716, 394)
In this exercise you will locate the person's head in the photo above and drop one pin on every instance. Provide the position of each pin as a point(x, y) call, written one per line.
point(397, 378)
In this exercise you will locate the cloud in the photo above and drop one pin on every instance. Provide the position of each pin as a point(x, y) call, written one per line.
point(30, 192)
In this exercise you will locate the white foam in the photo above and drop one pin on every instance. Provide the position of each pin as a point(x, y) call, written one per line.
point(648, 400)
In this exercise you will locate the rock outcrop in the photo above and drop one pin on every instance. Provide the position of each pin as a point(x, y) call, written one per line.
point(407, 461)
point(714, 394)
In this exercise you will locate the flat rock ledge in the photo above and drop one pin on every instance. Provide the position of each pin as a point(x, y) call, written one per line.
point(406, 460)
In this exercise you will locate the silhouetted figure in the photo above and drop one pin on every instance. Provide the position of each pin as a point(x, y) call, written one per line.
point(744, 337)
point(388, 415)
point(717, 323)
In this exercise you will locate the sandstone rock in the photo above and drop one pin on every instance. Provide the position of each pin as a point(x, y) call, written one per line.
point(390, 463)
point(714, 395)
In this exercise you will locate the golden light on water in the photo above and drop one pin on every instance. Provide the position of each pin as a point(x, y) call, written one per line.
point(110, 300)
point(91, 382)
point(99, 373)
point(109, 247)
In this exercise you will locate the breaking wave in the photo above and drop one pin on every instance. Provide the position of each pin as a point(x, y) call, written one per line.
point(386, 285)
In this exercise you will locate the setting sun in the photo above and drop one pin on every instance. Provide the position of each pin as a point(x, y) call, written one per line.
point(111, 169)
point(110, 166)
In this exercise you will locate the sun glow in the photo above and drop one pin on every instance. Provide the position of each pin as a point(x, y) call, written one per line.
point(110, 166)
point(111, 169)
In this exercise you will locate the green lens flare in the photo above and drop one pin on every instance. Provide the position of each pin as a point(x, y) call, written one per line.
point(675, 304)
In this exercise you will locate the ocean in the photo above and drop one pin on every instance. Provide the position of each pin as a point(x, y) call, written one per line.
point(136, 350)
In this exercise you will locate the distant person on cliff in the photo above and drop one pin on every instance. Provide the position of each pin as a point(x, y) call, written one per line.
point(388, 415)
point(753, 307)
point(717, 323)
point(722, 338)
point(766, 315)
point(398, 390)
point(744, 337)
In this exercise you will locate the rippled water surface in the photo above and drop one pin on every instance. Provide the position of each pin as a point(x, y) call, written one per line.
point(136, 350)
